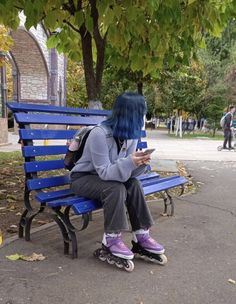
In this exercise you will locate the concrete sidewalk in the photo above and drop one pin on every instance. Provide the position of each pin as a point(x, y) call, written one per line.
point(199, 241)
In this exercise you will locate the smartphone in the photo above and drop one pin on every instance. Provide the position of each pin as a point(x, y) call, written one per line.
point(148, 151)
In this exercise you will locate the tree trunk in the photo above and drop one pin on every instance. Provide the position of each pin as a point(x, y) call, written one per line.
point(140, 87)
point(88, 66)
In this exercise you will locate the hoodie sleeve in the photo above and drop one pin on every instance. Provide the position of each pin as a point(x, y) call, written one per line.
point(121, 170)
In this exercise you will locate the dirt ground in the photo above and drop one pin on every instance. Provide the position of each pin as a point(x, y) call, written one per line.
point(12, 194)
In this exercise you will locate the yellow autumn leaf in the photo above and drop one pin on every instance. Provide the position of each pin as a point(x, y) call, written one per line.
point(31, 258)
point(14, 257)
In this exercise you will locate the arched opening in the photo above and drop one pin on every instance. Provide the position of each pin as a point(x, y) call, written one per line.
point(31, 68)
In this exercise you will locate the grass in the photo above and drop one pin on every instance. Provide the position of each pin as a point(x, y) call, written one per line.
point(10, 156)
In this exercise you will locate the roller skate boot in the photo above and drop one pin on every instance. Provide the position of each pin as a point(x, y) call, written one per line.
point(145, 247)
point(114, 251)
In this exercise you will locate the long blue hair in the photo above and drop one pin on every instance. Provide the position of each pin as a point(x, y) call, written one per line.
point(126, 120)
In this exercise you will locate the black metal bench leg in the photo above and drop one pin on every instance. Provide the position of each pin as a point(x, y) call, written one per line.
point(64, 232)
point(168, 201)
point(21, 225)
point(28, 222)
point(171, 204)
point(64, 218)
point(74, 246)
point(165, 205)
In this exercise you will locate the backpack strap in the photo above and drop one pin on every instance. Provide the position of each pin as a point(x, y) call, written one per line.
point(109, 135)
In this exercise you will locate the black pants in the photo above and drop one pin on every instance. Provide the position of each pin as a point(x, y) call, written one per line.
point(116, 198)
point(228, 138)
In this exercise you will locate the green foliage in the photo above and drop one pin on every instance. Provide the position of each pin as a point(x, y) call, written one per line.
point(5, 42)
point(76, 89)
point(184, 89)
point(143, 36)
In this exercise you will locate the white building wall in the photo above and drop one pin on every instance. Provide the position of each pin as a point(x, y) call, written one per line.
point(36, 86)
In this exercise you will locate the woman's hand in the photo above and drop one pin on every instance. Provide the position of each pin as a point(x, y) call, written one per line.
point(139, 158)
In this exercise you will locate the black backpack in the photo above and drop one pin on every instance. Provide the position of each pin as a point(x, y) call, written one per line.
point(76, 147)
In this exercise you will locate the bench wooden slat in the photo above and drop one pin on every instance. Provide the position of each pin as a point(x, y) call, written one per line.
point(164, 185)
point(30, 134)
point(157, 180)
point(146, 176)
point(29, 107)
point(41, 183)
point(29, 151)
point(143, 133)
point(70, 201)
point(44, 197)
point(24, 118)
point(45, 165)
point(86, 207)
point(142, 145)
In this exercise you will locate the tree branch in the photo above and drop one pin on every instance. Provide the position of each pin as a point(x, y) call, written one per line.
point(71, 25)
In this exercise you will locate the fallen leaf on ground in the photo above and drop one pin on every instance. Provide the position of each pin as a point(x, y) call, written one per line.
point(232, 281)
point(42, 222)
point(31, 258)
point(200, 183)
point(13, 257)
point(34, 257)
point(13, 226)
point(12, 229)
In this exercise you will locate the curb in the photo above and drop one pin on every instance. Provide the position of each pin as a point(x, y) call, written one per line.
point(14, 238)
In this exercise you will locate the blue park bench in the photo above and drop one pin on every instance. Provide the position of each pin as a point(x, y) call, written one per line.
point(48, 181)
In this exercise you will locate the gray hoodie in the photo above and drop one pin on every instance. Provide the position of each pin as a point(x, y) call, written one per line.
point(100, 156)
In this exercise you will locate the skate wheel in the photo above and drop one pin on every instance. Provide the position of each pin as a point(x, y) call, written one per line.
point(99, 254)
point(110, 261)
point(96, 253)
point(162, 260)
point(102, 258)
point(129, 266)
point(219, 148)
point(119, 265)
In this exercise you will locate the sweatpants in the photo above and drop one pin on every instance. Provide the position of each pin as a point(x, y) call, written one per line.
point(117, 198)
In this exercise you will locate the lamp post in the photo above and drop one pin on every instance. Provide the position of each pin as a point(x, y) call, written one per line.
point(3, 85)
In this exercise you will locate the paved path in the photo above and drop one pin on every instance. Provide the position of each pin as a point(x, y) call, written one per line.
point(200, 245)
point(186, 149)
point(199, 241)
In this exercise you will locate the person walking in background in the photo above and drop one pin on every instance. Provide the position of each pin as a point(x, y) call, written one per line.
point(228, 123)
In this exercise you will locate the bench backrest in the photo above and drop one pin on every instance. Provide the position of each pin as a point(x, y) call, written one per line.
point(44, 148)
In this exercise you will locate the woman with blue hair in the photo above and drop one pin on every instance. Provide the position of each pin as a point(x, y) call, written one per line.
point(106, 172)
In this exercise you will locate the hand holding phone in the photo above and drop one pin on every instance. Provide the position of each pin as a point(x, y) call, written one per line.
point(148, 151)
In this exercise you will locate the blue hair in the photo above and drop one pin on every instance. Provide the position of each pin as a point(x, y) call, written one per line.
point(126, 120)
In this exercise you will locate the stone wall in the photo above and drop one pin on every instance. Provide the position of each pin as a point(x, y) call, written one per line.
point(37, 78)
